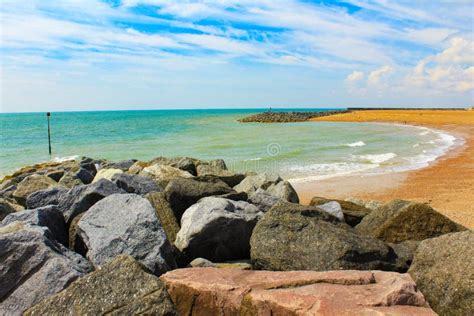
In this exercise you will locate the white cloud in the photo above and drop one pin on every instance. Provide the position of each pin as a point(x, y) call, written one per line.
point(450, 70)
point(355, 76)
point(377, 75)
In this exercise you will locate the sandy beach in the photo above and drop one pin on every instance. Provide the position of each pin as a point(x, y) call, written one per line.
point(447, 184)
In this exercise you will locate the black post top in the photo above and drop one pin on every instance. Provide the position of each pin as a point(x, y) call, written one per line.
point(48, 113)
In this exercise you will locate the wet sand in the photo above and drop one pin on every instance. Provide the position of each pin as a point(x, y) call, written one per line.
point(447, 184)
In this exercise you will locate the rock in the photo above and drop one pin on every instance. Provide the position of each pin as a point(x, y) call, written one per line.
point(186, 164)
point(137, 167)
point(271, 183)
point(263, 200)
point(48, 216)
point(33, 267)
point(209, 229)
point(56, 175)
point(371, 205)
point(286, 117)
point(121, 287)
point(70, 180)
point(230, 178)
point(106, 174)
point(443, 269)
point(242, 264)
point(413, 221)
point(45, 197)
point(296, 237)
point(135, 184)
point(353, 213)
point(379, 216)
point(123, 165)
point(7, 191)
point(333, 208)
point(165, 215)
point(201, 263)
point(8, 206)
point(162, 174)
point(211, 291)
point(85, 176)
point(405, 252)
point(79, 199)
point(234, 196)
point(32, 184)
point(181, 193)
point(125, 224)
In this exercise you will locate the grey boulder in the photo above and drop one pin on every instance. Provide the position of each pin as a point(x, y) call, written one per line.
point(181, 193)
point(79, 199)
point(217, 229)
point(333, 208)
point(263, 200)
point(8, 206)
point(271, 183)
point(135, 183)
point(33, 267)
point(45, 197)
point(297, 237)
point(49, 216)
point(443, 269)
point(124, 224)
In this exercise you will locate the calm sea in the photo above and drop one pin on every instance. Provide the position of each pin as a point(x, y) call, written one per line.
point(295, 150)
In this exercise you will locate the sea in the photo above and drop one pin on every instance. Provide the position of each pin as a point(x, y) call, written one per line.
point(297, 151)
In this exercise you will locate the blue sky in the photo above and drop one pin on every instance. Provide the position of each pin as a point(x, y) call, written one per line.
point(146, 54)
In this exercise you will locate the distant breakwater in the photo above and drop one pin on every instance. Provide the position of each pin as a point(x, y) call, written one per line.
point(287, 117)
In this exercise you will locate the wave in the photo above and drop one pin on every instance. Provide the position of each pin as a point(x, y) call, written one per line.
point(356, 144)
point(377, 158)
point(66, 158)
point(330, 170)
point(254, 159)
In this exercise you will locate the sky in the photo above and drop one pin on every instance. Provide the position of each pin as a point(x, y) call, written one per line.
point(155, 54)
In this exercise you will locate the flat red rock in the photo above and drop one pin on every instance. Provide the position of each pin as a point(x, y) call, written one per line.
point(212, 291)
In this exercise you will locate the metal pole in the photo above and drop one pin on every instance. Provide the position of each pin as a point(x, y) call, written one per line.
point(48, 114)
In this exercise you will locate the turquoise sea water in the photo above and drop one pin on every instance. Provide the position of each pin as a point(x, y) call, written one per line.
point(295, 150)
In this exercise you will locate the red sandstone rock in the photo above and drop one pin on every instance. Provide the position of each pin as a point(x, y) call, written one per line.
point(211, 291)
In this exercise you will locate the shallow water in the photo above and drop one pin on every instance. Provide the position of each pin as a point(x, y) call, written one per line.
point(295, 150)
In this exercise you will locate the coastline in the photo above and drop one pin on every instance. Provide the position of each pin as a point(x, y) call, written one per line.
point(447, 183)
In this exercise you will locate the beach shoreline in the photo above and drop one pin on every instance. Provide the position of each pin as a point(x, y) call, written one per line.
point(447, 183)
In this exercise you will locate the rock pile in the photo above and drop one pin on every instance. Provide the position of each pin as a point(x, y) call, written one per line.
point(287, 117)
point(94, 236)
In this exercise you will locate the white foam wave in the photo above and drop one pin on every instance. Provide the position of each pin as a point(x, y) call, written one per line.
point(377, 158)
point(254, 159)
point(356, 144)
point(330, 170)
point(66, 158)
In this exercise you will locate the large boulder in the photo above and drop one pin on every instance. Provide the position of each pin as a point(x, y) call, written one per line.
point(443, 269)
point(121, 287)
point(217, 229)
point(181, 193)
point(49, 216)
point(296, 237)
point(33, 267)
point(212, 291)
point(165, 214)
point(123, 165)
point(263, 200)
point(41, 198)
point(353, 213)
point(162, 174)
point(8, 206)
point(69, 180)
point(124, 224)
point(79, 199)
point(411, 221)
point(32, 184)
point(229, 177)
point(271, 183)
point(135, 183)
point(106, 174)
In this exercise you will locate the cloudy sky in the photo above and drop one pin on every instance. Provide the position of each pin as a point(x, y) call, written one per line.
point(140, 54)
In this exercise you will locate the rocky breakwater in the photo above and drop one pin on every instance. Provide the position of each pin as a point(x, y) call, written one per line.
point(287, 117)
point(182, 236)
